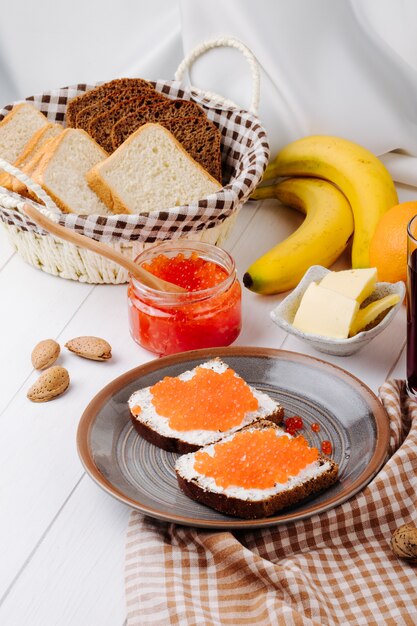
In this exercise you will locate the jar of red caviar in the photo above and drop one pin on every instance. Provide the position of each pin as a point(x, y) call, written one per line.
point(207, 315)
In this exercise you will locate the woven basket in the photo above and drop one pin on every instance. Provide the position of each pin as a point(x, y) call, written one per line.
point(245, 154)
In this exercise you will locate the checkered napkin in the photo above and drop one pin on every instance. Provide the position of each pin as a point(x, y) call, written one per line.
point(335, 568)
point(245, 154)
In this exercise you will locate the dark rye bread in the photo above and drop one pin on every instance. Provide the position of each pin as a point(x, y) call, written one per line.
point(201, 139)
point(165, 111)
point(98, 93)
point(101, 126)
point(102, 105)
point(172, 444)
point(255, 509)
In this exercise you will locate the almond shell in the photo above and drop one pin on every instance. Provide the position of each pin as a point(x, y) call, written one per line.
point(404, 542)
point(89, 347)
point(50, 384)
point(45, 353)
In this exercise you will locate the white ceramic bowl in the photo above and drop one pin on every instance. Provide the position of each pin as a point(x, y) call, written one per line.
point(284, 314)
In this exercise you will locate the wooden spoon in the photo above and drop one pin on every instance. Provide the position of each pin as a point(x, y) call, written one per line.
point(103, 249)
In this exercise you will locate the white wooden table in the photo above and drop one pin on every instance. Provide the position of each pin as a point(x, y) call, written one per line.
point(62, 537)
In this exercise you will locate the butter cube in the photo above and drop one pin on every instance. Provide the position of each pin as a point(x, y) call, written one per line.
point(357, 284)
point(325, 312)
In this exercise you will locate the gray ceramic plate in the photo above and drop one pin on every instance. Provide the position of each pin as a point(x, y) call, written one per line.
point(142, 476)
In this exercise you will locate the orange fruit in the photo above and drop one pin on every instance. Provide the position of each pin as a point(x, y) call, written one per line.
point(388, 248)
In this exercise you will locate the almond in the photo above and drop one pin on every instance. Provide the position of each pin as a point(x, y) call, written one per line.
point(45, 353)
point(50, 384)
point(93, 348)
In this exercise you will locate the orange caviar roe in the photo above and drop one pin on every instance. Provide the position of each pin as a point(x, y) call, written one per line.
point(192, 273)
point(136, 410)
point(208, 401)
point(256, 459)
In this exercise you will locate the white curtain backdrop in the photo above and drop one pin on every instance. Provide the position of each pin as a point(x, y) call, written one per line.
point(345, 67)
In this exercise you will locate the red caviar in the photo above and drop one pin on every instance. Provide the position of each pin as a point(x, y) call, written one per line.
point(208, 401)
point(256, 459)
point(315, 427)
point(207, 315)
point(293, 424)
point(192, 273)
point(326, 447)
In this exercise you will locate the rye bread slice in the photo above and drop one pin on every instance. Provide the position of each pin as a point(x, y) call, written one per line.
point(251, 508)
point(165, 111)
point(154, 428)
point(173, 444)
point(201, 139)
point(102, 91)
point(101, 126)
point(103, 105)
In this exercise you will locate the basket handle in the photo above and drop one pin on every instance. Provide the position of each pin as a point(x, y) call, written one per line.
point(224, 42)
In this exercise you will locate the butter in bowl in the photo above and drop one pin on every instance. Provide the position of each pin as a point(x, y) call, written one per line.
point(339, 312)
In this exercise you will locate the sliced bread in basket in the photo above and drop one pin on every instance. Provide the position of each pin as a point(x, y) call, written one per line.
point(199, 407)
point(37, 142)
point(255, 472)
point(156, 113)
point(101, 126)
point(201, 139)
point(61, 172)
point(137, 90)
point(96, 96)
point(17, 129)
point(32, 149)
point(150, 171)
point(197, 134)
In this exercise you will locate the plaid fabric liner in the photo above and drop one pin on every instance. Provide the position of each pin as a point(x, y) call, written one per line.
point(336, 568)
point(245, 154)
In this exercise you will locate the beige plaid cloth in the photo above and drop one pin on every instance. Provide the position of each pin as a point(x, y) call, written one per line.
point(333, 568)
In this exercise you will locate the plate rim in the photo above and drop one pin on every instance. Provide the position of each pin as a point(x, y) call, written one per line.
point(90, 413)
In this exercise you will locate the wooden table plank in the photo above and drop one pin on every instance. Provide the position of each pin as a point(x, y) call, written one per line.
point(38, 440)
point(35, 306)
point(75, 576)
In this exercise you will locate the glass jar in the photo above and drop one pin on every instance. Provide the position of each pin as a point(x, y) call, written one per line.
point(167, 323)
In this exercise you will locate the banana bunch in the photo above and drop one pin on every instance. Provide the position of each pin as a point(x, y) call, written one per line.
point(358, 186)
point(320, 239)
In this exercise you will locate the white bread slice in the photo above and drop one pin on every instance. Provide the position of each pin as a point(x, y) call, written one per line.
point(29, 168)
point(157, 430)
point(32, 148)
point(37, 141)
point(61, 172)
point(150, 171)
point(254, 503)
point(17, 128)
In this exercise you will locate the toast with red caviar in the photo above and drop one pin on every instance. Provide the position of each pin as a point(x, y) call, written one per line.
point(255, 472)
point(199, 407)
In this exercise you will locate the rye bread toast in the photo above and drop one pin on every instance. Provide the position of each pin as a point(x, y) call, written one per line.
point(157, 430)
point(254, 503)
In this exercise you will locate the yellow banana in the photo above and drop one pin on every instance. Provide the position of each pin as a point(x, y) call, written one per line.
point(320, 239)
point(358, 173)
